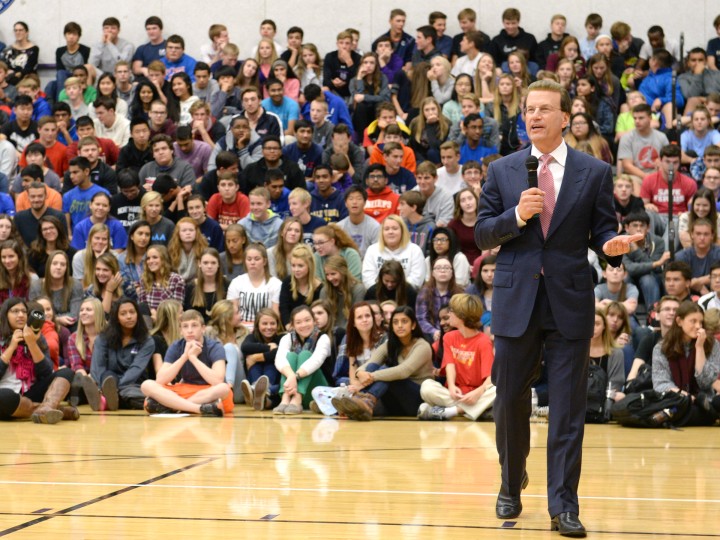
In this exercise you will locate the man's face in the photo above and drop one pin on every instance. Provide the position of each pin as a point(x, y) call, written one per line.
point(267, 31)
point(466, 24)
point(111, 31)
point(397, 23)
point(202, 78)
point(355, 204)
point(715, 280)
point(27, 180)
point(73, 92)
point(158, 114)
point(394, 159)
point(700, 121)
point(186, 146)
point(174, 51)
point(240, 129)
point(24, 112)
point(192, 330)
point(426, 183)
point(251, 102)
point(667, 312)
point(341, 142)
point(642, 121)
point(86, 131)
point(196, 210)
point(547, 121)
point(696, 61)
point(62, 117)
point(80, 74)
point(623, 189)
point(675, 284)
point(77, 175)
point(27, 91)
point(376, 181)
point(276, 93)
point(323, 180)
point(72, 39)
point(592, 31)
point(106, 116)
point(122, 74)
point(701, 237)
point(387, 118)
point(474, 130)
point(91, 152)
point(259, 205)
point(713, 108)
point(711, 179)
point(227, 189)
point(450, 159)
point(317, 112)
point(512, 27)
point(657, 40)
point(140, 134)
point(35, 158)
point(154, 32)
point(439, 25)
point(275, 187)
point(156, 77)
point(637, 227)
point(48, 133)
point(294, 40)
point(36, 197)
point(668, 163)
point(383, 49)
point(421, 41)
point(344, 45)
point(557, 27)
point(162, 153)
point(304, 136)
point(131, 192)
point(272, 151)
point(404, 210)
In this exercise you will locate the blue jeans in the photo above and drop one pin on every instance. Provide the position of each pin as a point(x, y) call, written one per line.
point(400, 398)
point(649, 285)
point(267, 369)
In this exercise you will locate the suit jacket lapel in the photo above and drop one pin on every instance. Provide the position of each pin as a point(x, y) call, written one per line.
point(572, 185)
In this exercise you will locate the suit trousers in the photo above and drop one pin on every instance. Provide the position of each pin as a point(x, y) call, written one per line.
point(515, 369)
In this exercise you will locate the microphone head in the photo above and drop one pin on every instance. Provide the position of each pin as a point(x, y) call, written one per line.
point(532, 163)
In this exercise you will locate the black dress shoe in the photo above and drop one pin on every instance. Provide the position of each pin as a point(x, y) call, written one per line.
point(507, 506)
point(568, 524)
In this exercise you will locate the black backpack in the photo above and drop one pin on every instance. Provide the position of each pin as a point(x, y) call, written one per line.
point(596, 395)
point(652, 409)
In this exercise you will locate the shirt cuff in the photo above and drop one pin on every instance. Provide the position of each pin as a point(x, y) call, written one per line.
point(520, 222)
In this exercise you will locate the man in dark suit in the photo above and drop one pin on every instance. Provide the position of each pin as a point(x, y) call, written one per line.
point(543, 296)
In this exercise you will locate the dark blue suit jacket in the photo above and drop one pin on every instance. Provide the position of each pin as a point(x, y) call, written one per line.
point(583, 217)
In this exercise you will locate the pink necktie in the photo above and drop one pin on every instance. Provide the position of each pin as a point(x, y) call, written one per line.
point(547, 184)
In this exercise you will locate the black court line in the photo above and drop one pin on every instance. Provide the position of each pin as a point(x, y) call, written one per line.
point(376, 523)
point(85, 504)
point(89, 459)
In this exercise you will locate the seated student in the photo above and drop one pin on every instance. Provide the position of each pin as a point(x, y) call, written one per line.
point(436, 292)
point(196, 153)
point(381, 200)
point(132, 260)
point(624, 201)
point(657, 86)
point(228, 205)
point(394, 373)
point(275, 184)
point(711, 300)
point(463, 222)
point(185, 248)
point(74, 98)
point(317, 113)
point(285, 108)
point(429, 129)
point(55, 152)
point(340, 286)
point(327, 201)
point(137, 151)
point(76, 202)
point(64, 292)
point(625, 122)
point(450, 174)
point(615, 289)
point(165, 161)
point(701, 254)
point(209, 228)
point(30, 175)
point(107, 282)
point(442, 241)
point(101, 173)
point(175, 59)
point(393, 134)
point(204, 127)
point(620, 328)
point(30, 87)
point(205, 87)
point(302, 286)
point(22, 130)
point(27, 373)
point(340, 167)
point(646, 258)
point(259, 349)
point(200, 364)
point(341, 66)
point(85, 127)
point(171, 195)
point(688, 361)
point(160, 121)
point(304, 151)
point(700, 135)
point(35, 155)
point(473, 147)
point(254, 174)
point(8, 92)
point(360, 227)
point(232, 259)
point(467, 362)
point(125, 205)
point(300, 354)
point(83, 262)
point(363, 336)
point(227, 101)
point(419, 226)
point(262, 225)
point(332, 240)
point(605, 353)
point(228, 58)
point(341, 143)
point(394, 244)
point(256, 288)
point(99, 213)
point(241, 141)
point(702, 205)
point(300, 202)
point(400, 179)
point(439, 204)
point(110, 124)
point(158, 281)
point(390, 286)
point(386, 116)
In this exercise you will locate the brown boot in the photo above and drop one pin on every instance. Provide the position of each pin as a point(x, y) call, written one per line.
point(359, 406)
point(48, 412)
point(70, 413)
point(25, 408)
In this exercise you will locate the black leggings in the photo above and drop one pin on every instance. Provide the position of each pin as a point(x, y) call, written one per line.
point(10, 400)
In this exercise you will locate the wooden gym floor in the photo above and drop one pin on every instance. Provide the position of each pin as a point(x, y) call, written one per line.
point(127, 475)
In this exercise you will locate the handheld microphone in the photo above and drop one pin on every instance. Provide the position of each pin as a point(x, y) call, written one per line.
point(531, 164)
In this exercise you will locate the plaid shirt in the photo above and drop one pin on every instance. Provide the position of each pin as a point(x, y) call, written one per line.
point(174, 290)
point(73, 355)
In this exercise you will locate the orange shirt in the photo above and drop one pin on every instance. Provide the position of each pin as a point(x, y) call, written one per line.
point(54, 200)
point(472, 357)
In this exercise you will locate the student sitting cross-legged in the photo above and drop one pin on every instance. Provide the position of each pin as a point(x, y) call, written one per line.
point(200, 363)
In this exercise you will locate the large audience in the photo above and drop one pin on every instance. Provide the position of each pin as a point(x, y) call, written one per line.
point(184, 231)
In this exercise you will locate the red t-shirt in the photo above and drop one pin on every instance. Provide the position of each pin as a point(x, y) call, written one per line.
point(109, 152)
point(472, 357)
point(655, 189)
point(227, 214)
point(56, 155)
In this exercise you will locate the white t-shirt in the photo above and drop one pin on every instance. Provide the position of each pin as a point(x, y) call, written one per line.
point(452, 183)
point(253, 299)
